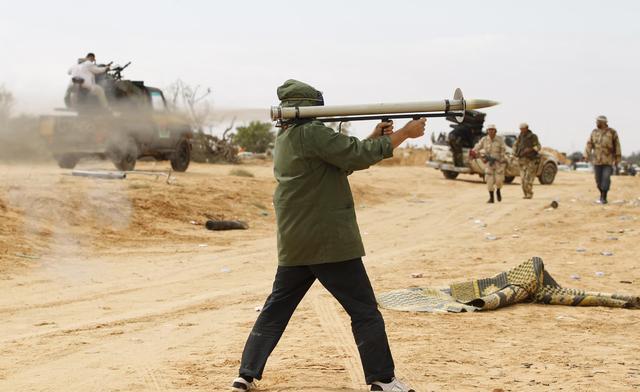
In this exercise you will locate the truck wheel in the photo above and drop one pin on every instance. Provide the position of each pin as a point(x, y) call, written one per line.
point(67, 161)
point(509, 179)
point(181, 157)
point(124, 156)
point(548, 173)
point(450, 175)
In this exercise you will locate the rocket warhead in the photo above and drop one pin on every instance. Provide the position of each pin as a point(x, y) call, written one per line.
point(455, 107)
point(473, 104)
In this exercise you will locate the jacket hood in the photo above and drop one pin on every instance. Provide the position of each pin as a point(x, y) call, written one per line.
point(295, 93)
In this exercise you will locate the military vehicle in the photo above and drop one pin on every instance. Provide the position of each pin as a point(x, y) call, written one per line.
point(138, 123)
point(450, 153)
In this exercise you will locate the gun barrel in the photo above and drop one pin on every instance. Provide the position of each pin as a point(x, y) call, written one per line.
point(454, 106)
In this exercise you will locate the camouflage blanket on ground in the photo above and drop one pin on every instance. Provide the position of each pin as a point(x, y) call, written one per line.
point(528, 282)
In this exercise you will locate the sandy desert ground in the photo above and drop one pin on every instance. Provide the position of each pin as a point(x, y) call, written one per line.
point(114, 285)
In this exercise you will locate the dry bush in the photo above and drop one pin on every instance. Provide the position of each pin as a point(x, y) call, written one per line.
point(240, 173)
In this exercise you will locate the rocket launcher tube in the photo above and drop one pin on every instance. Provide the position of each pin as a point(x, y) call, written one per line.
point(454, 107)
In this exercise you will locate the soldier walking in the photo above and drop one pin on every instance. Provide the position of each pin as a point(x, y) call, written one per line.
point(318, 237)
point(491, 149)
point(603, 149)
point(527, 150)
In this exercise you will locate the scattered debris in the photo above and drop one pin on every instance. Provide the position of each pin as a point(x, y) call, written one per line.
point(225, 269)
point(581, 250)
point(258, 309)
point(42, 324)
point(626, 218)
point(606, 253)
point(515, 236)
point(103, 174)
point(554, 204)
point(156, 174)
point(414, 199)
point(203, 245)
point(218, 225)
point(575, 277)
point(416, 275)
point(490, 237)
point(612, 238)
point(193, 222)
point(626, 282)
point(480, 223)
point(264, 213)
point(25, 256)
point(599, 274)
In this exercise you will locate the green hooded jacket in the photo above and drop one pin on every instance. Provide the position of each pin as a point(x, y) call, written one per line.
point(313, 202)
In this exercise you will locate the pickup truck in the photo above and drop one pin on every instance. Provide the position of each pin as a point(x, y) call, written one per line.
point(442, 159)
point(138, 123)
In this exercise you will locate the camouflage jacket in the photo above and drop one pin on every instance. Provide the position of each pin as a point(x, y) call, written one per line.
point(492, 148)
point(603, 147)
point(527, 146)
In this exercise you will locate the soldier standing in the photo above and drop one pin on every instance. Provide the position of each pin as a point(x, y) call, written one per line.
point(527, 150)
point(603, 149)
point(318, 236)
point(492, 151)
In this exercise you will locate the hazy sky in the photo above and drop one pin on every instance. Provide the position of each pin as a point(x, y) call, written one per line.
point(555, 64)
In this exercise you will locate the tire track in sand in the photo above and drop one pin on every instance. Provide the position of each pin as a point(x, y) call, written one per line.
point(328, 313)
point(342, 338)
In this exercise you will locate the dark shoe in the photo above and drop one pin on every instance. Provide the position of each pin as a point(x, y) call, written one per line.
point(499, 195)
point(490, 197)
point(604, 197)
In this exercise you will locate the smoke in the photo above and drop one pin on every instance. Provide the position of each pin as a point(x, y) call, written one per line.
point(62, 219)
point(20, 141)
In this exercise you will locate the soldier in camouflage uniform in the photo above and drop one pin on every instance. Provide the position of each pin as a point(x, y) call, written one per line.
point(527, 150)
point(491, 149)
point(318, 236)
point(603, 149)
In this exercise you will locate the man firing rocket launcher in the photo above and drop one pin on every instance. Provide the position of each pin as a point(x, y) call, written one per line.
point(318, 236)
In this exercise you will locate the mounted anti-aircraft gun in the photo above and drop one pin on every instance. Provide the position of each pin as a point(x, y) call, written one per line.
point(138, 123)
point(116, 72)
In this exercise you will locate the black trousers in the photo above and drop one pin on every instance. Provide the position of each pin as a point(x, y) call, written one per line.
point(348, 282)
point(603, 176)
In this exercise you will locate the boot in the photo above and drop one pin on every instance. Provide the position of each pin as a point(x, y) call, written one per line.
point(498, 194)
point(603, 197)
point(490, 197)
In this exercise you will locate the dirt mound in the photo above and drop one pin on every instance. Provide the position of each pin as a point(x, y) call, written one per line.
point(410, 156)
point(48, 212)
